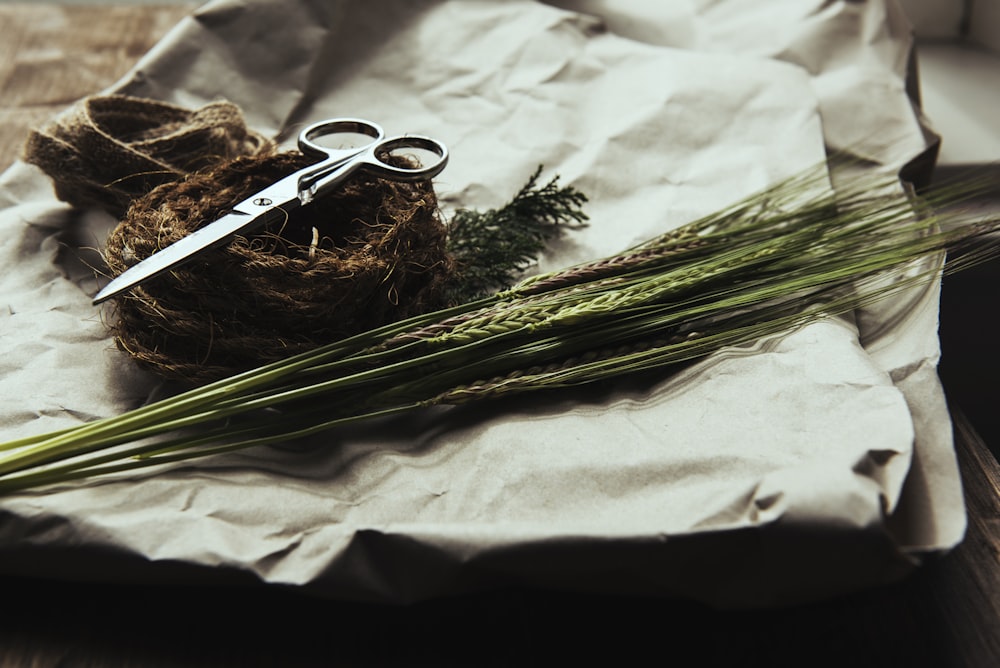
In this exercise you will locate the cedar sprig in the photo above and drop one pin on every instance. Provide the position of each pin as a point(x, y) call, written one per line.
point(493, 248)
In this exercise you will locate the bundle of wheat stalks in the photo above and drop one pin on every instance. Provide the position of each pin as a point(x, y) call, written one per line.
point(774, 261)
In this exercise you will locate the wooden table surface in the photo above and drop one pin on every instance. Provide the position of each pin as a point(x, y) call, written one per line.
point(946, 614)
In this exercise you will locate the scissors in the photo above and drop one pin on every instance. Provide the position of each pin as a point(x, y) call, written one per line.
point(274, 202)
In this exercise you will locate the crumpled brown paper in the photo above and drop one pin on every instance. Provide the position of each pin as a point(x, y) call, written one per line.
point(805, 466)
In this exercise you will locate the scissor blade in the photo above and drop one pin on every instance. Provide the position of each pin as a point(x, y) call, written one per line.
point(182, 250)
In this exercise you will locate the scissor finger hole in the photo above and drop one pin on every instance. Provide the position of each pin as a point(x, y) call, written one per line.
point(413, 157)
point(338, 135)
point(342, 140)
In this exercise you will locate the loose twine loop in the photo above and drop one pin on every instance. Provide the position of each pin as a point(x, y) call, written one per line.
point(106, 151)
point(370, 253)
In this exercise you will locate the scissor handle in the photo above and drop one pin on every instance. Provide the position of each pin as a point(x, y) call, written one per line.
point(330, 158)
point(374, 158)
point(338, 126)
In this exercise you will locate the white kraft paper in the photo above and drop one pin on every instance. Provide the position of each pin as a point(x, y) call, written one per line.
point(802, 467)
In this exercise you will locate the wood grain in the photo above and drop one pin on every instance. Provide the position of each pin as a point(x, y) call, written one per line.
point(53, 55)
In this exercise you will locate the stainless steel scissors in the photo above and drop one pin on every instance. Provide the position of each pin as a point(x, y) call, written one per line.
point(299, 189)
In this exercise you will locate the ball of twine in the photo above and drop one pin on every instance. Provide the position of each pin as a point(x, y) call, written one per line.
point(370, 253)
point(105, 151)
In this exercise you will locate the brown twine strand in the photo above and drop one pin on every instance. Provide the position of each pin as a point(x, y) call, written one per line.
point(370, 253)
point(105, 151)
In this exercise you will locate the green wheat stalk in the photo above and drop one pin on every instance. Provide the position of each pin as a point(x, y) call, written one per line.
point(775, 261)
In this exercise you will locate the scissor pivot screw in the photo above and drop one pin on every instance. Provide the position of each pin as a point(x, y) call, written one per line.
point(262, 201)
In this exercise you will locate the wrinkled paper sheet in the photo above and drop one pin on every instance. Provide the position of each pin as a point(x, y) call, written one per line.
point(802, 467)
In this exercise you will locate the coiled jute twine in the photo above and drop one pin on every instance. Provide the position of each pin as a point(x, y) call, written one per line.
point(107, 150)
point(369, 253)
